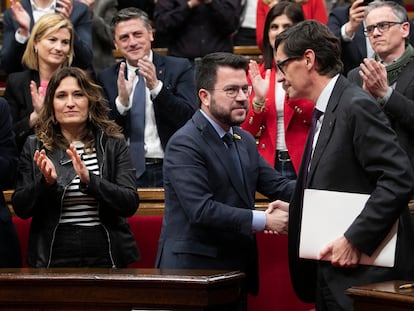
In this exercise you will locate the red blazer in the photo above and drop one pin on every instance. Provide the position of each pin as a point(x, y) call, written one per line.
point(312, 9)
point(297, 117)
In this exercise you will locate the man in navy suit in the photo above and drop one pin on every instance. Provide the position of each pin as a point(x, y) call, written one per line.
point(9, 242)
point(209, 218)
point(20, 18)
point(354, 150)
point(169, 95)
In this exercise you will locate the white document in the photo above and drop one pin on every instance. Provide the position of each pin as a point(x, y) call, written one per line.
point(328, 214)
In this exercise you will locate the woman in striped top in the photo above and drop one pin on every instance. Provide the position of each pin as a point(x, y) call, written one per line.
point(76, 180)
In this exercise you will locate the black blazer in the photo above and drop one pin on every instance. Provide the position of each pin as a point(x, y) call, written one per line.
point(173, 106)
point(356, 151)
point(9, 242)
point(18, 96)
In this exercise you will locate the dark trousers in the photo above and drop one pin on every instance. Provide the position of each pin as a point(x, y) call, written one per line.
point(152, 177)
point(80, 246)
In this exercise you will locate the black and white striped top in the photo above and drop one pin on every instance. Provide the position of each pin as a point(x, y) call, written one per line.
point(79, 208)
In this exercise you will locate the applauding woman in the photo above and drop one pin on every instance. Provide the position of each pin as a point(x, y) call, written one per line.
point(49, 48)
point(76, 180)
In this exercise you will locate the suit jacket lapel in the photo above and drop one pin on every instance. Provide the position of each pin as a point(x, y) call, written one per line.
point(328, 125)
point(223, 156)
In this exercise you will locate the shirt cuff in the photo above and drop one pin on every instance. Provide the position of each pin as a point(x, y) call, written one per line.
point(383, 100)
point(121, 108)
point(344, 36)
point(258, 221)
point(19, 38)
point(154, 92)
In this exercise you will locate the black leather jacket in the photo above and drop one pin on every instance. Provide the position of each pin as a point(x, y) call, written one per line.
point(114, 189)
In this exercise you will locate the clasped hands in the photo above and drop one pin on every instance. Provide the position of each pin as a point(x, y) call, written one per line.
point(48, 170)
point(277, 216)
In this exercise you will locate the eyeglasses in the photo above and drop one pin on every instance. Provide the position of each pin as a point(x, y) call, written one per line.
point(282, 64)
point(233, 90)
point(382, 27)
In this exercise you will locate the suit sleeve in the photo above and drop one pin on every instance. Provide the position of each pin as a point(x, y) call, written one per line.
point(19, 109)
point(176, 102)
point(12, 51)
point(201, 186)
point(388, 167)
point(83, 36)
point(8, 150)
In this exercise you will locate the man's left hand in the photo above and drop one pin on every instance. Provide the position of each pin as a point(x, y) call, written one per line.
point(341, 253)
point(147, 70)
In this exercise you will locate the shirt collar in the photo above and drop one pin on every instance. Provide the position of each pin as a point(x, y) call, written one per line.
point(217, 127)
point(323, 99)
point(51, 7)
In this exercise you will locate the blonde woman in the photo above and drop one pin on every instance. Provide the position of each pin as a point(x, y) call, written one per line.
point(49, 48)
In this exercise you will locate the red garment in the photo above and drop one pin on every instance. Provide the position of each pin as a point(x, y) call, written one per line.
point(297, 117)
point(312, 9)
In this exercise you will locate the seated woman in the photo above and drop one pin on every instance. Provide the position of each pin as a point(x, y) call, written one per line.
point(49, 48)
point(283, 123)
point(9, 242)
point(76, 180)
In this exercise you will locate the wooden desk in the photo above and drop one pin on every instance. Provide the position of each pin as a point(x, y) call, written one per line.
point(385, 296)
point(117, 289)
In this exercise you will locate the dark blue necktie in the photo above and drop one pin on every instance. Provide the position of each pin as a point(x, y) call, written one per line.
point(309, 143)
point(231, 146)
point(138, 126)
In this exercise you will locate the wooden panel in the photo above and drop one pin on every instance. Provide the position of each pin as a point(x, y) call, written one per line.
point(385, 296)
point(117, 289)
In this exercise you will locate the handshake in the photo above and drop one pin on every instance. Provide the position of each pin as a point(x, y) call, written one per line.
point(277, 217)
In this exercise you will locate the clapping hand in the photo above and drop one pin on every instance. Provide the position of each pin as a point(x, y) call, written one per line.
point(45, 166)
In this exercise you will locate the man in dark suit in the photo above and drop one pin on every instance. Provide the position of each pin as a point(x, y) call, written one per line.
point(209, 218)
point(169, 95)
point(354, 150)
point(20, 18)
point(346, 22)
point(389, 76)
point(9, 242)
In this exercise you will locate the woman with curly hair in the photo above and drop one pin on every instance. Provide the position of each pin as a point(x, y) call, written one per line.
point(76, 180)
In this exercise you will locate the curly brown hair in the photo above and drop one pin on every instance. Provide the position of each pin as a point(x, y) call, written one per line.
point(47, 129)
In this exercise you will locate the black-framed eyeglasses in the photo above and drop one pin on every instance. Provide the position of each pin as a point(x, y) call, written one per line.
point(381, 26)
point(233, 90)
point(281, 64)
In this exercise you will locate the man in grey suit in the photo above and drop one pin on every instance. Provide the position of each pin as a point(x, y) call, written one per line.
point(354, 150)
point(209, 218)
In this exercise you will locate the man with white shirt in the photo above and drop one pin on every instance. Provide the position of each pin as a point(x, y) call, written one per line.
point(353, 150)
point(20, 18)
point(169, 93)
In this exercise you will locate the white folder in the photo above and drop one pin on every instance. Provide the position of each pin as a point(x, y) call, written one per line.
point(328, 214)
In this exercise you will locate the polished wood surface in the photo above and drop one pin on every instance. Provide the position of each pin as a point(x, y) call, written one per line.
point(152, 201)
point(385, 296)
point(117, 289)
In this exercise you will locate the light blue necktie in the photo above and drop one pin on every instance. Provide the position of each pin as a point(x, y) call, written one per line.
point(137, 126)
